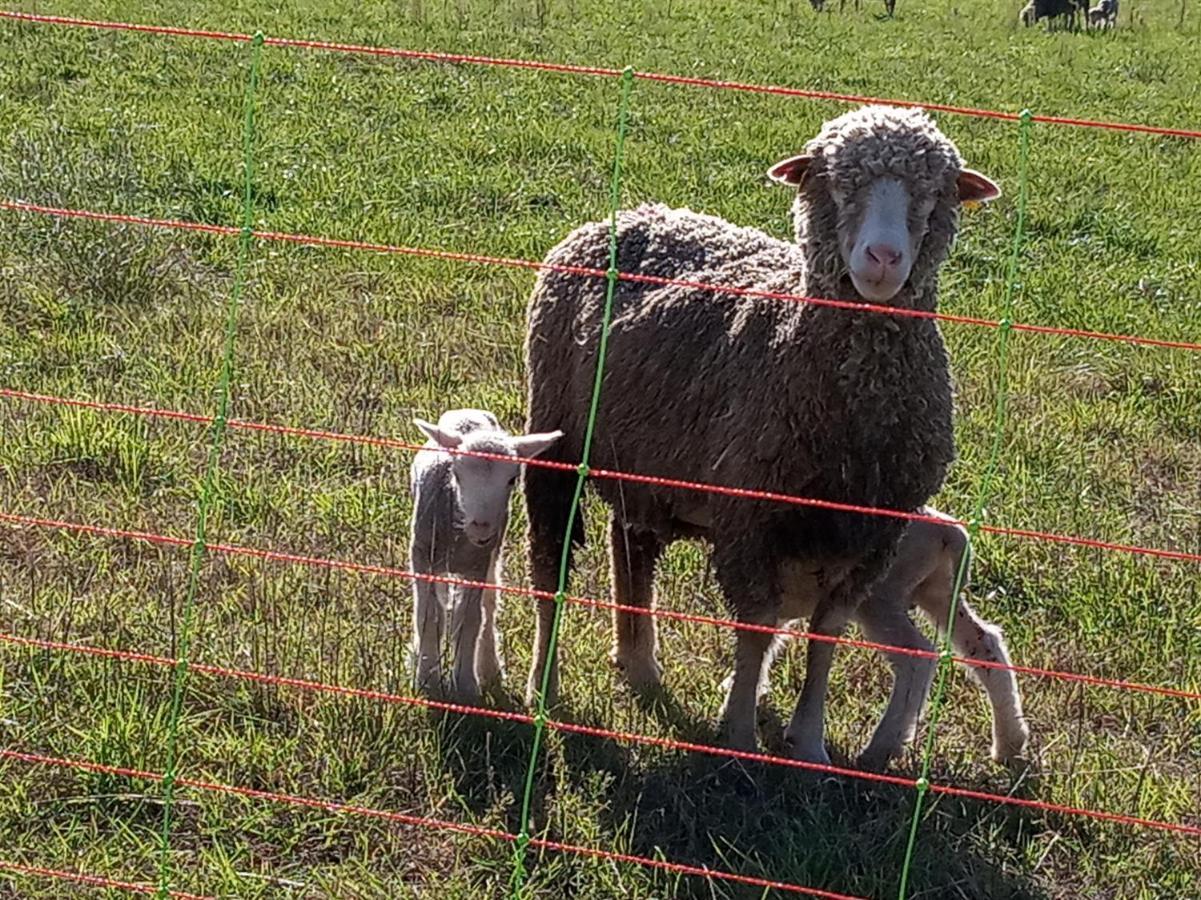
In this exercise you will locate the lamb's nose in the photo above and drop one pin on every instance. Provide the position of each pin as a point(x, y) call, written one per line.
point(885, 256)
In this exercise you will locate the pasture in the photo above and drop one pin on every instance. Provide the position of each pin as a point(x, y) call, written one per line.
point(1101, 440)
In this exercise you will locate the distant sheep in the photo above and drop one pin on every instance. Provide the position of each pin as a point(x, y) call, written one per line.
point(460, 509)
point(923, 575)
point(1104, 13)
point(792, 398)
point(1065, 11)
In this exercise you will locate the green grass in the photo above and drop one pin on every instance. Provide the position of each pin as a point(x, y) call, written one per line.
point(1102, 440)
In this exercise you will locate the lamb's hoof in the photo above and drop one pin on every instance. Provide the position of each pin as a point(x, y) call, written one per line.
point(1010, 749)
point(643, 674)
point(806, 751)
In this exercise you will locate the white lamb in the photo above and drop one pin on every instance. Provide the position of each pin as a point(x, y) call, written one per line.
point(460, 509)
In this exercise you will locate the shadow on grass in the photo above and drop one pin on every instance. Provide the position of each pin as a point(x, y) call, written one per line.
point(762, 820)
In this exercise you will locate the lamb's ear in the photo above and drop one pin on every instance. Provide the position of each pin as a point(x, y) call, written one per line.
point(976, 188)
point(791, 171)
point(447, 439)
point(530, 445)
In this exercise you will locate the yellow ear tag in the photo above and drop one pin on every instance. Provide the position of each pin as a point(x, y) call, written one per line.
point(971, 204)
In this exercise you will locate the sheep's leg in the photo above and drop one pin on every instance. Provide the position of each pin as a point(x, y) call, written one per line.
point(749, 579)
point(465, 635)
point(548, 494)
point(428, 625)
point(885, 619)
point(488, 663)
point(976, 639)
point(806, 737)
point(634, 554)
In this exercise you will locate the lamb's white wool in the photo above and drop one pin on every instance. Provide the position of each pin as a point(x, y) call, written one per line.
point(460, 509)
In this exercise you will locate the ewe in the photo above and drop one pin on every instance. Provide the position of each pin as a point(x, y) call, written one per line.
point(752, 392)
point(460, 509)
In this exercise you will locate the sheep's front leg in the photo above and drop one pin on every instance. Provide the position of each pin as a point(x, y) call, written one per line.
point(428, 625)
point(806, 734)
point(634, 554)
point(465, 636)
point(488, 663)
point(885, 620)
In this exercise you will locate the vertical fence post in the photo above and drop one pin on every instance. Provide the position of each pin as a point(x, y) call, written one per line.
point(204, 503)
point(523, 837)
point(945, 656)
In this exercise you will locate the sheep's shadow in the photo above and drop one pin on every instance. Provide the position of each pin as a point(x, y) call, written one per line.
point(768, 821)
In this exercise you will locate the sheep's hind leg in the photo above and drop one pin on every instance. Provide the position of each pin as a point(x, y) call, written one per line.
point(488, 663)
point(634, 554)
point(885, 620)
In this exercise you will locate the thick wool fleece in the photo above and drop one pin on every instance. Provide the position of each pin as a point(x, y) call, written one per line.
point(765, 394)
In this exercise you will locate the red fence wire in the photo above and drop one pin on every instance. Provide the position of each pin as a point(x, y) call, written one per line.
point(604, 733)
point(704, 487)
point(587, 272)
point(671, 615)
point(601, 71)
point(97, 881)
point(424, 822)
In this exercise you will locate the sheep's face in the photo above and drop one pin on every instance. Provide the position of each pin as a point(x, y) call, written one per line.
point(483, 484)
point(875, 183)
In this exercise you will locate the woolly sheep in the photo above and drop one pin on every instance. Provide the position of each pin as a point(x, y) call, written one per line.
point(460, 509)
point(923, 575)
point(843, 405)
point(1063, 10)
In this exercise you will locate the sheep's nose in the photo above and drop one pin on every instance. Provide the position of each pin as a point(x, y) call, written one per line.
point(885, 256)
point(477, 525)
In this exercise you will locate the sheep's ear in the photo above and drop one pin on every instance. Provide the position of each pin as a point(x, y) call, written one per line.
point(790, 171)
point(976, 188)
point(530, 445)
point(442, 438)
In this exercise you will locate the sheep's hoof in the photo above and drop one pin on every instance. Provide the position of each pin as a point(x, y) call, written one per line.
point(875, 760)
point(739, 737)
point(429, 683)
point(806, 750)
point(642, 673)
point(466, 691)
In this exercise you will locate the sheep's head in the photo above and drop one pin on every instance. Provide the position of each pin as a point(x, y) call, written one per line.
point(889, 186)
point(483, 484)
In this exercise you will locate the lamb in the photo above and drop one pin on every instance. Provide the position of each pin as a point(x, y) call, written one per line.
point(1104, 13)
point(793, 398)
point(923, 575)
point(460, 509)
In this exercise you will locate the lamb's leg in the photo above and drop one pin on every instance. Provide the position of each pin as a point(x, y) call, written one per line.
point(488, 663)
point(634, 554)
point(884, 618)
point(748, 576)
point(548, 494)
point(976, 639)
point(806, 737)
point(465, 635)
point(428, 625)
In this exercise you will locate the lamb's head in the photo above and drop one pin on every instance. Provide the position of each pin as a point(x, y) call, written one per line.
point(878, 197)
point(483, 484)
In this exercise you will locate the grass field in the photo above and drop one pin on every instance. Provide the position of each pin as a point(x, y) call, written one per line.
point(1101, 440)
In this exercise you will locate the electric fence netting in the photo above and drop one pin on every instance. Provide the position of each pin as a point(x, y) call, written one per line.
point(527, 836)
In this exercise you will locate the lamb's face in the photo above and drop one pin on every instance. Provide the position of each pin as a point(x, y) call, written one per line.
point(484, 487)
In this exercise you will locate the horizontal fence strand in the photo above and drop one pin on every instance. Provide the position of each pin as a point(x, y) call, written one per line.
point(587, 272)
point(98, 881)
point(422, 822)
point(670, 744)
point(675, 483)
point(600, 71)
point(671, 615)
